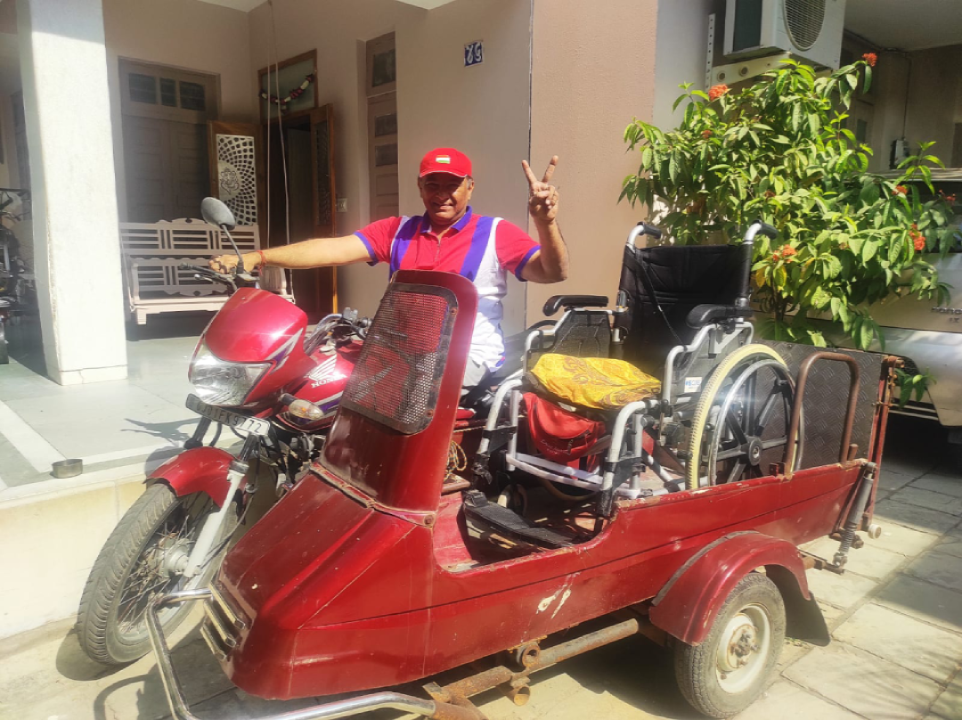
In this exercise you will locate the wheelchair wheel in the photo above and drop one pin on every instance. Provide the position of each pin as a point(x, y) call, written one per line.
point(740, 426)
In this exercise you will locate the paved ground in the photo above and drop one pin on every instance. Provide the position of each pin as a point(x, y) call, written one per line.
point(896, 618)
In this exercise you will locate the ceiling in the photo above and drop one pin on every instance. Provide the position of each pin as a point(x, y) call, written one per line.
point(906, 24)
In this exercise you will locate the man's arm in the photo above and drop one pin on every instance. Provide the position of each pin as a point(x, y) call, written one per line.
point(550, 263)
point(316, 252)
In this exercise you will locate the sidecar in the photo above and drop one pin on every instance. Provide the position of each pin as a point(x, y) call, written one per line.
point(389, 563)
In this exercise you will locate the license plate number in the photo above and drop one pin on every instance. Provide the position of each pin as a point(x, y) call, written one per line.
point(255, 426)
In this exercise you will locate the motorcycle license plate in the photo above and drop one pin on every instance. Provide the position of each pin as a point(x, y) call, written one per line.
point(255, 426)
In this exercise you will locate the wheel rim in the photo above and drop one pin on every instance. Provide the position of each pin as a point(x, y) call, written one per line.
point(737, 442)
point(743, 649)
point(157, 571)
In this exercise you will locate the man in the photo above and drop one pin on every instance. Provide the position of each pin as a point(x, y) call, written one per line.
point(448, 237)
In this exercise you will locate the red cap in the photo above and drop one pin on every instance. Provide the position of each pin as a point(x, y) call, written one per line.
point(446, 160)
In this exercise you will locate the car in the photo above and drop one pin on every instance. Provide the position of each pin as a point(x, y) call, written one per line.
point(929, 335)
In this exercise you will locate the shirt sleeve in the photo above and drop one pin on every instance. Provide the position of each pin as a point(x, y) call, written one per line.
point(514, 247)
point(377, 238)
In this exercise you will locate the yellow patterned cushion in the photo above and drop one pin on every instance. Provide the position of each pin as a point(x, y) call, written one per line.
point(594, 382)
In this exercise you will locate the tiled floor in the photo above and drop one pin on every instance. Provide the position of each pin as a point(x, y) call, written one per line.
point(106, 424)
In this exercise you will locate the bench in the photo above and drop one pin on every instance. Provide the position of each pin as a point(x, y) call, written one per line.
point(154, 252)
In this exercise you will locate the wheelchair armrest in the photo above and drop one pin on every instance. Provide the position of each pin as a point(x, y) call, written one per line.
point(568, 301)
point(702, 315)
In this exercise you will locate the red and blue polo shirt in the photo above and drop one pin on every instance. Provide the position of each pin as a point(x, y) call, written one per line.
point(483, 249)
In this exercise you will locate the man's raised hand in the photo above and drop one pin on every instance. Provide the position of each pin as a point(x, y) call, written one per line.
point(542, 195)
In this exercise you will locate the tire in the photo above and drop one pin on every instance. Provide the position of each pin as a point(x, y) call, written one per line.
point(753, 613)
point(111, 621)
point(712, 396)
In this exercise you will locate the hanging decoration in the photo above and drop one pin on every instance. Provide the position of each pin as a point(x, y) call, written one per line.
point(291, 96)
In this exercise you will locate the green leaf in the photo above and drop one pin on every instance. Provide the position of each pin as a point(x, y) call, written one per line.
point(866, 334)
point(868, 250)
point(870, 193)
point(820, 298)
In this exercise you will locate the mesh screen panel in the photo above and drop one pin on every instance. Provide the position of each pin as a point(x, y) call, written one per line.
point(398, 373)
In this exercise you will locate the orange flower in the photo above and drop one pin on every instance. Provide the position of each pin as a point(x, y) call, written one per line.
point(788, 251)
point(900, 190)
point(706, 134)
point(870, 58)
point(776, 256)
point(919, 242)
point(717, 91)
point(948, 198)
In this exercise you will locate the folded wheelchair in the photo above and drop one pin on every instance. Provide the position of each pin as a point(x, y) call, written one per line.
point(665, 392)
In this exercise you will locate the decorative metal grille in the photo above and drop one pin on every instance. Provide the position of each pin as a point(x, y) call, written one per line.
point(398, 373)
point(237, 176)
point(804, 19)
point(322, 153)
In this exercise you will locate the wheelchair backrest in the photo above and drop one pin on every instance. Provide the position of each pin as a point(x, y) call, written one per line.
point(679, 277)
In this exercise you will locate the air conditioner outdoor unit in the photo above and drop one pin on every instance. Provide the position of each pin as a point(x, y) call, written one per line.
point(810, 30)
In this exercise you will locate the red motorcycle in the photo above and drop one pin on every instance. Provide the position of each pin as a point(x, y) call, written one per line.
point(257, 372)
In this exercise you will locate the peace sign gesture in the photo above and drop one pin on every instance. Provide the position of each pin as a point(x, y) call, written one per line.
point(542, 196)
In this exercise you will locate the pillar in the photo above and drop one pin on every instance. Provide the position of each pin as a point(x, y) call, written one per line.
point(63, 63)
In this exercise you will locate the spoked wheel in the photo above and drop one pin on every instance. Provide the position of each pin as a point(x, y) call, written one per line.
point(728, 671)
point(142, 560)
point(740, 426)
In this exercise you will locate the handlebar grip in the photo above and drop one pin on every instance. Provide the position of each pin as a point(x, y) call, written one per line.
point(767, 230)
point(650, 230)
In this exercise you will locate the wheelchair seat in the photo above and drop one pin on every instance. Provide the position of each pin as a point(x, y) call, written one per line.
point(601, 384)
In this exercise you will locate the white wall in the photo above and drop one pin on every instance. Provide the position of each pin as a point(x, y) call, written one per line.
point(482, 109)
point(187, 34)
point(681, 54)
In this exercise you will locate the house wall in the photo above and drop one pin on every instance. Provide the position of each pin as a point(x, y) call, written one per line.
point(186, 34)
point(934, 82)
point(592, 72)
point(482, 109)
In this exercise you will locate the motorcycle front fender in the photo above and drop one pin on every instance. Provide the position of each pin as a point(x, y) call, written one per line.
point(202, 469)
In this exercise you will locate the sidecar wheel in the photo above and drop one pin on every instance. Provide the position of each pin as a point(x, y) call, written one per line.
point(730, 669)
point(136, 565)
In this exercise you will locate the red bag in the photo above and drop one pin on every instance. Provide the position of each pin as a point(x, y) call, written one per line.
point(560, 435)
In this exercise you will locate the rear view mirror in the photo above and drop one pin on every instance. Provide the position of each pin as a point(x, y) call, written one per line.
point(217, 213)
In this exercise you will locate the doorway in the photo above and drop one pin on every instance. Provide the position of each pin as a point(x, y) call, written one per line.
point(303, 205)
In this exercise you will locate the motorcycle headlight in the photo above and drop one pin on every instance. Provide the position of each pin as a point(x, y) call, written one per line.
point(223, 383)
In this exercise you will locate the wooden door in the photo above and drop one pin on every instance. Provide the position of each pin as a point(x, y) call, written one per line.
point(322, 167)
point(383, 156)
point(237, 170)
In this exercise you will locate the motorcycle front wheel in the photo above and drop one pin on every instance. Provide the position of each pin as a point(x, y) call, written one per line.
point(138, 563)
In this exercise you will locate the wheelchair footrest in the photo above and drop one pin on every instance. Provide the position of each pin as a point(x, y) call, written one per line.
point(476, 506)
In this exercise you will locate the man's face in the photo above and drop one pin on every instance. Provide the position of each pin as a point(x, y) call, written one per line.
point(445, 196)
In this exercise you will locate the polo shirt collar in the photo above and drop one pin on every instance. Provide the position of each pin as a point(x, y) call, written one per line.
point(458, 226)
